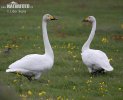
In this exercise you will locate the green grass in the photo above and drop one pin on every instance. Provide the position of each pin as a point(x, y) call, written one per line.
point(69, 78)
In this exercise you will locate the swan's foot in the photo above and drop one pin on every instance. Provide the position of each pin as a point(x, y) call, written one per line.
point(7, 50)
point(29, 78)
point(98, 72)
point(101, 71)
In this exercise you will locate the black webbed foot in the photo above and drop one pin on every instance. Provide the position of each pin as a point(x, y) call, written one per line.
point(29, 78)
point(98, 72)
point(101, 71)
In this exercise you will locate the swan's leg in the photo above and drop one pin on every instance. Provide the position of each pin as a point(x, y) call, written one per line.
point(94, 70)
point(101, 71)
point(98, 71)
point(94, 73)
point(37, 76)
point(29, 78)
point(90, 70)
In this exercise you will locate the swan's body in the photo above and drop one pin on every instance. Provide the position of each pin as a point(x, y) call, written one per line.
point(95, 60)
point(35, 64)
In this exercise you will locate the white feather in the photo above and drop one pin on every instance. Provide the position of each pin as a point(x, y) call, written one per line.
point(35, 64)
point(94, 59)
point(38, 61)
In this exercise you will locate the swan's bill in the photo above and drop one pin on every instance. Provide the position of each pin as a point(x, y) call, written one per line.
point(85, 20)
point(53, 18)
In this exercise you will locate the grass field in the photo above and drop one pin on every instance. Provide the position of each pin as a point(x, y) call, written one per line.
point(69, 78)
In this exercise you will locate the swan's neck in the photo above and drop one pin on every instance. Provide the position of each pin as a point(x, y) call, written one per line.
point(91, 36)
point(48, 49)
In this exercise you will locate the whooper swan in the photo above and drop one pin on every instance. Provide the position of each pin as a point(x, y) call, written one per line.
point(34, 64)
point(95, 60)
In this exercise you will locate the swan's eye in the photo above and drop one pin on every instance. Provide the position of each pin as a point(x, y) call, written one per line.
point(48, 16)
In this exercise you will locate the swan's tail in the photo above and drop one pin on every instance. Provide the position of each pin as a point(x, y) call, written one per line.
point(10, 70)
point(110, 68)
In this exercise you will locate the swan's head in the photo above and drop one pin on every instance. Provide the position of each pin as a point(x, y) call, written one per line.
point(90, 19)
point(48, 17)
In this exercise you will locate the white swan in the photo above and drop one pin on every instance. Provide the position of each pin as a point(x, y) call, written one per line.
point(95, 60)
point(34, 64)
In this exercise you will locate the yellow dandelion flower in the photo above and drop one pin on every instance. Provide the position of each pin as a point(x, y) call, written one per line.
point(101, 89)
point(70, 52)
point(55, 46)
point(119, 89)
point(65, 76)
point(16, 46)
point(89, 89)
point(47, 84)
point(14, 81)
point(104, 40)
point(110, 59)
point(37, 36)
point(38, 27)
point(83, 96)
point(13, 45)
point(59, 98)
point(76, 61)
point(106, 90)
point(34, 45)
point(89, 81)
point(6, 46)
point(39, 47)
point(74, 87)
point(71, 48)
point(68, 45)
point(42, 93)
point(23, 96)
point(103, 82)
point(74, 69)
point(48, 81)
point(121, 26)
point(101, 86)
point(91, 77)
point(74, 56)
point(20, 38)
point(22, 27)
point(29, 92)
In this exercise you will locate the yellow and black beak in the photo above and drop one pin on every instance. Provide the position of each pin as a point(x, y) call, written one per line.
point(85, 20)
point(53, 18)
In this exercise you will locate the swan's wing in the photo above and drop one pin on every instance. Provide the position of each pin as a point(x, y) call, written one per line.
point(103, 60)
point(97, 58)
point(32, 62)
